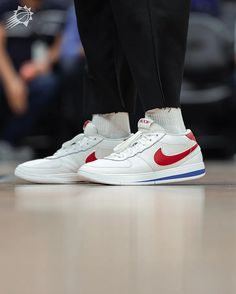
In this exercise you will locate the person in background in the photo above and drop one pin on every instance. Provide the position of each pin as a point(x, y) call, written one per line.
point(72, 66)
point(71, 47)
point(26, 85)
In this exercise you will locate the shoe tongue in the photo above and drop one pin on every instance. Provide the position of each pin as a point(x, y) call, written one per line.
point(147, 125)
point(90, 129)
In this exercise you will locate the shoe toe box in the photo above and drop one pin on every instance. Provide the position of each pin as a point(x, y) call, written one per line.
point(39, 166)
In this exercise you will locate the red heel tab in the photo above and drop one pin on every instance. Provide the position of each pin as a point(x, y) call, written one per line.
point(191, 136)
point(86, 123)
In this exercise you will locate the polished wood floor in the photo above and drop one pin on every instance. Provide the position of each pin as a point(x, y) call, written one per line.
point(90, 239)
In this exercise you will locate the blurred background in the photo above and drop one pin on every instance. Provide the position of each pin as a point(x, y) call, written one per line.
point(41, 78)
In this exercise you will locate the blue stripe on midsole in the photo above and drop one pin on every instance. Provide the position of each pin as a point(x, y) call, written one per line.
point(186, 175)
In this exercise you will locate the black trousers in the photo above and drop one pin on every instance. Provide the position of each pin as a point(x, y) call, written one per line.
point(134, 48)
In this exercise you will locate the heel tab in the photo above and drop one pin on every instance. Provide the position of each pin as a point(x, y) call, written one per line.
point(191, 136)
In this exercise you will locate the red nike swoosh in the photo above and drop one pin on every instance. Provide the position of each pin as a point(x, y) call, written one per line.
point(163, 160)
point(92, 157)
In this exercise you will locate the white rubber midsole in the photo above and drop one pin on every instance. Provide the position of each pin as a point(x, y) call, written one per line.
point(66, 178)
point(178, 174)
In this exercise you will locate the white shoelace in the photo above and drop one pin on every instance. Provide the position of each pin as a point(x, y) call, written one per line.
point(78, 143)
point(135, 144)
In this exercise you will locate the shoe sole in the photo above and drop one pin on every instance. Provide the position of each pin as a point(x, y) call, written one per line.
point(48, 179)
point(174, 175)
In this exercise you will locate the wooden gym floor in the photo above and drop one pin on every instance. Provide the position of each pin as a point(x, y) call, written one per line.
point(91, 239)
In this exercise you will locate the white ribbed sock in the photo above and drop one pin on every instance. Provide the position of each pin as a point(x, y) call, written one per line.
point(170, 119)
point(112, 125)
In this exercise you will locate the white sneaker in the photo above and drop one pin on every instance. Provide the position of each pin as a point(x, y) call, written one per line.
point(149, 157)
point(63, 166)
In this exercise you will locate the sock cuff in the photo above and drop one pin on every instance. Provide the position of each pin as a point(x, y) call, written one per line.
point(112, 125)
point(170, 119)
